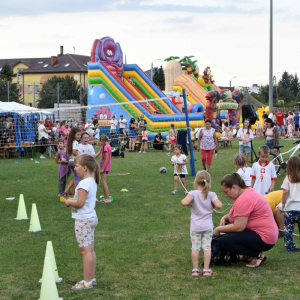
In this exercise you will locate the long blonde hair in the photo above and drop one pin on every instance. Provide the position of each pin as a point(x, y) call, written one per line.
point(89, 161)
point(203, 180)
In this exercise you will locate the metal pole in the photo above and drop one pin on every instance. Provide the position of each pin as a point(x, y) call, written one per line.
point(230, 85)
point(7, 91)
point(151, 71)
point(58, 100)
point(80, 94)
point(271, 59)
point(192, 160)
point(34, 94)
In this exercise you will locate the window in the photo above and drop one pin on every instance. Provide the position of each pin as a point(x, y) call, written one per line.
point(45, 66)
point(19, 76)
point(40, 62)
point(30, 89)
point(36, 89)
point(0, 69)
point(66, 65)
point(30, 104)
point(20, 88)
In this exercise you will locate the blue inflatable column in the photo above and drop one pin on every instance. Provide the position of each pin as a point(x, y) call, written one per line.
point(192, 161)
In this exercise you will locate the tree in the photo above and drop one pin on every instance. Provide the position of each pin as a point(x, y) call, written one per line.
point(159, 78)
point(5, 82)
point(6, 72)
point(295, 86)
point(298, 97)
point(68, 90)
point(286, 80)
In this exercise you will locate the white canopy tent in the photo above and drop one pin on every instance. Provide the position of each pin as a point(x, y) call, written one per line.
point(23, 110)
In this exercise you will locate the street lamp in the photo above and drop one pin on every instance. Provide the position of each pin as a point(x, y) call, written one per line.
point(152, 67)
point(230, 81)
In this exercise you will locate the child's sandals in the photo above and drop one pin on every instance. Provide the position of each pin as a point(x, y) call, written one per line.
point(84, 285)
point(105, 201)
point(196, 272)
point(207, 272)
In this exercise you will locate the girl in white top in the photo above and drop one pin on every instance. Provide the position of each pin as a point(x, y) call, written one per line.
point(179, 161)
point(291, 201)
point(202, 202)
point(97, 132)
point(83, 211)
point(85, 147)
point(290, 129)
point(43, 137)
point(239, 162)
point(73, 151)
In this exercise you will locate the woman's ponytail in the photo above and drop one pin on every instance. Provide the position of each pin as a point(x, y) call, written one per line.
point(97, 173)
point(203, 179)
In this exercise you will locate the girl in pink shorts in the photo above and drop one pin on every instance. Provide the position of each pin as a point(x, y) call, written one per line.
point(173, 138)
point(83, 211)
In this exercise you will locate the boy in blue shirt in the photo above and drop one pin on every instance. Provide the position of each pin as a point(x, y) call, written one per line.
point(296, 120)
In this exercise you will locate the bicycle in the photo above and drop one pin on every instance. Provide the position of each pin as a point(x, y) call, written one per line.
point(279, 162)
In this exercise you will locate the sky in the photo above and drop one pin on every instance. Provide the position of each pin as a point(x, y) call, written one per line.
point(230, 36)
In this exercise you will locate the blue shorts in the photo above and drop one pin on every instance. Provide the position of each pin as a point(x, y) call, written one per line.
point(270, 144)
point(144, 141)
point(281, 127)
point(245, 149)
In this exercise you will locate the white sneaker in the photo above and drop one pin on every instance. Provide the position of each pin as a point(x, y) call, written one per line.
point(42, 157)
point(140, 152)
point(144, 152)
point(186, 192)
point(168, 154)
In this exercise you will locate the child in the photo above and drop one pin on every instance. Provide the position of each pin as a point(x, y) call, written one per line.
point(193, 133)
point(62, 159)
point(73, 151)
point(224, 136)
point(144, 140)
point(173, 138)
point(291, 202)
point(83, 211)
point(258, 128)
point(241, 168)
point(245, 137)
point(263, 173)
point(290, 129)
point(85, 147)
point(105, 166)
point(202, 202)
point(179, 161)
point(54, 131)
point(97, 131)
point(230, 134)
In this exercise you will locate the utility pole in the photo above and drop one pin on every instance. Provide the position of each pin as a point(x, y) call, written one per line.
point(7, 91)
point(271, 59)
point(34, 94)
point(80, 95)
point(58, 100)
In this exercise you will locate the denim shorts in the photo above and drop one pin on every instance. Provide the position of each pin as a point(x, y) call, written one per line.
point(270, 144)
point(245, 149)
point(281, 127)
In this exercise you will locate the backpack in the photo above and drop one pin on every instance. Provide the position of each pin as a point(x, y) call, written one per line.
point(220, 257)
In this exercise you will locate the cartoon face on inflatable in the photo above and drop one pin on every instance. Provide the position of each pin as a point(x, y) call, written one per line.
point(103, 113)
point(108, 52)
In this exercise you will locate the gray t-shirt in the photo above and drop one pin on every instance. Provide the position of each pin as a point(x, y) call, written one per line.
point(142, 126)
point(202, 209)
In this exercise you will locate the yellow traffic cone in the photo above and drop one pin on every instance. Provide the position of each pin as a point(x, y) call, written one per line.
point(21, 214)
point(34, 220)
point(50, 254)
point(48, 288)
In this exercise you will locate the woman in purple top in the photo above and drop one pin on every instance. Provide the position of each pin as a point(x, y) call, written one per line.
point(202, 202)
point(105, 166)
point(62, 160)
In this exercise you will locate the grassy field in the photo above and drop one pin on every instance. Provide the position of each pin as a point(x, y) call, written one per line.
point(142, 239)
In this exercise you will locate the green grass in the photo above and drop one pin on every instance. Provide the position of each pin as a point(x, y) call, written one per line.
point(142, 239)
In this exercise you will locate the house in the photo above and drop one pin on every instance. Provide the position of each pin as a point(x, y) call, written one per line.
point(32, 73)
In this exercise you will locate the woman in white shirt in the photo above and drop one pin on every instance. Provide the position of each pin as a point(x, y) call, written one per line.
point(42, 137)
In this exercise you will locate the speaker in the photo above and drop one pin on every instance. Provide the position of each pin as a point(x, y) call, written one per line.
point(248, 112)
